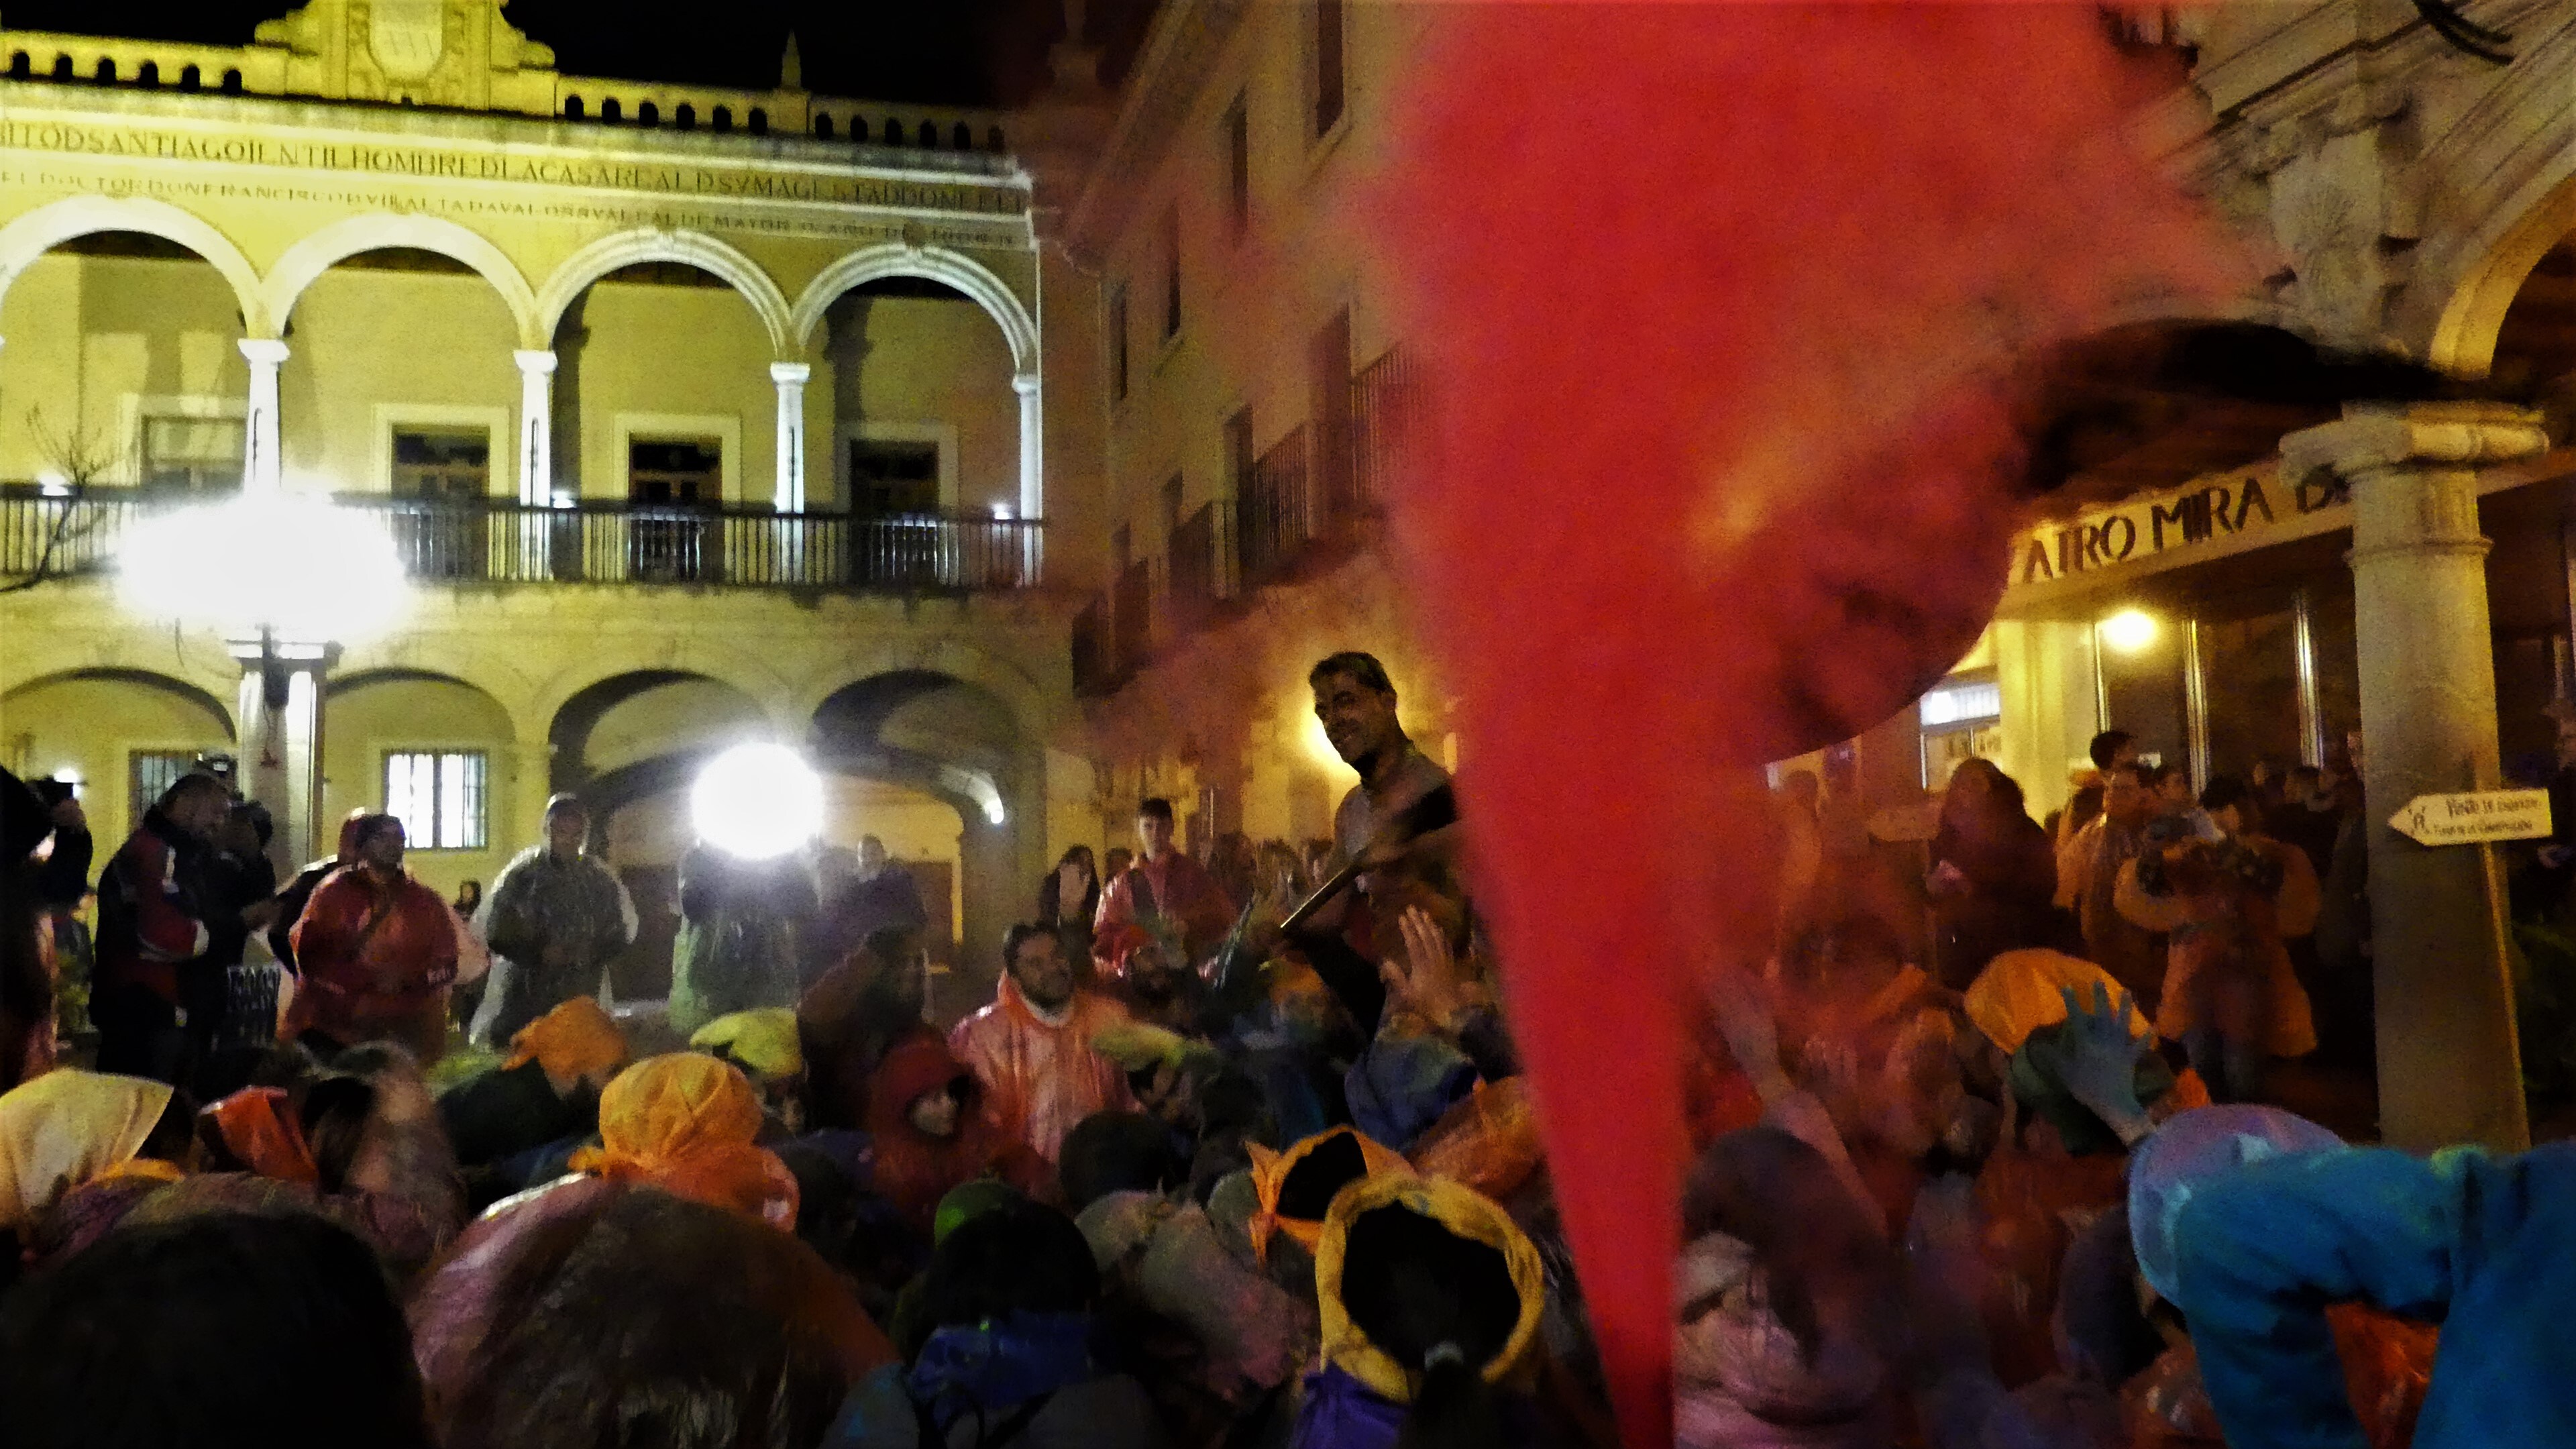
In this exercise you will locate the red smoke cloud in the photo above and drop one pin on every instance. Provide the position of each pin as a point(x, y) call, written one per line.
point(1720, 300)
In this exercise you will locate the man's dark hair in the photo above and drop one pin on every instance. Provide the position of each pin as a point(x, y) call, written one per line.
point(221, 1329)
point(192, 783)
point(1021, 1257)
point(256, 816)
point(1156, 807)
point(2223, 791)
point(1110, 1152)
point(2106, 746)
point(1362, 668)
point(1020, 935)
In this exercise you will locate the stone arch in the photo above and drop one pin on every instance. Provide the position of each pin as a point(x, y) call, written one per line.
point(103, 717)
point(956, 660)
point(956, 269)
point(2507, 170)
point(695, 249)
point(28, 237)
point(309, 258)
point(572, 716)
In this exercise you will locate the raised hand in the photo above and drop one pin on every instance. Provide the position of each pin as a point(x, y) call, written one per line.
point(1426, 979)
point(2097, 1059)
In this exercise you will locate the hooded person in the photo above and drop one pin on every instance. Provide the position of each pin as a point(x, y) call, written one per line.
point(1431, 1301)
point(376, 951)
point(764, 1044)
point(2308, 1273)
point(1294, 1190)
point(609, 1313)
point(69, 1129)
point(1032, 1048)
point(1783, 1297)
point(686, 1123)
point(555, 916)
point(546, 1090)
point(931, 1132)
point(1010, 1300)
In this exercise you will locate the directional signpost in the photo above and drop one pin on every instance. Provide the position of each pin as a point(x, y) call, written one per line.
point(2473, 817)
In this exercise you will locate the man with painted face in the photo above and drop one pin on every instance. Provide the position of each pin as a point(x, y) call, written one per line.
point(1165, 885)
point(1032, 1049)
point(554, 917)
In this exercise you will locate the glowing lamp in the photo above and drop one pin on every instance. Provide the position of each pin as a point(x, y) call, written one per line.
point(2129, 630)
point(757, 801)
point(283, 564)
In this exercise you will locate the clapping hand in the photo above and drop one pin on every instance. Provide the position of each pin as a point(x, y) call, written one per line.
point(1426, 980)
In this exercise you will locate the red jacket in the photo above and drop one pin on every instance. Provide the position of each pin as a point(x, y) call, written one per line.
point(1180, 891)
point(373, 956)
point(914, 1170)
point(150, 913)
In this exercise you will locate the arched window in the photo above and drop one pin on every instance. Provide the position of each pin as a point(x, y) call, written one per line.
point(189, 79)
point(963, 138)
point(20, 67)
point(232, 83)
point(610, 111)
point(648, 114)
point(686, 117)
point(930, 134)
point(723, 118)
point(759, 122)
point(823, 125)
point(62, 67)
point(572, 108)
point(106, 71)
point(993, 141)
point(893, 132)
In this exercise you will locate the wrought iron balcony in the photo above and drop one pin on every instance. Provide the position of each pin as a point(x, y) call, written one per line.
point(479, 541)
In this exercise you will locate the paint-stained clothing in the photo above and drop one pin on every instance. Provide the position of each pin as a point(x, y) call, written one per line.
point(2475, 1243)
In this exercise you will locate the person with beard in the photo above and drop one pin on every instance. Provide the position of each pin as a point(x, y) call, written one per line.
point(1032, 1048)
point(163, 924)
point(378, 951)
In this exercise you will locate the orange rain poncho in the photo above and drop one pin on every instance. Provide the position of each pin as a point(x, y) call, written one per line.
point(1270, 1172)
point(575, 1040)
point(2020, 992)
point(259, 1126)
point(685, 1123)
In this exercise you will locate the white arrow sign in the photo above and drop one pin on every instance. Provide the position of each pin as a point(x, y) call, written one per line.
point(2473, 817)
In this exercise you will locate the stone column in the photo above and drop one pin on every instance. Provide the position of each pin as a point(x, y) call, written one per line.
point(261, 466)
point(1032, 471)
point(281, 743)
point(790, 378)
point(2449, 1067)
point(536, 427)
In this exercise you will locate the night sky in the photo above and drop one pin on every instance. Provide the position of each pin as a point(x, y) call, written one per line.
point(954, 52)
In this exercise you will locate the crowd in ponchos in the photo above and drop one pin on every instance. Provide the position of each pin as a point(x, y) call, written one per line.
point(1148, 1200)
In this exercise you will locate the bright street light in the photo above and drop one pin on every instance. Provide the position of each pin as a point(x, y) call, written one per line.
point(758, 801)
point(2129, 630)
point(283, 565)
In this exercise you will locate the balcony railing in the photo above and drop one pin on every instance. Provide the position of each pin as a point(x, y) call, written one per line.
point(1203, 566)
point(1272, 518)
point(472, 541)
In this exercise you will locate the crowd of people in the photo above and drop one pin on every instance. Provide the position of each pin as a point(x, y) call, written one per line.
point(1240, 1153)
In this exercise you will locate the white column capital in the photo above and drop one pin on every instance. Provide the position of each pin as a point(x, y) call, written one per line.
point(1025, 384)
point(534, 363)
point(2385, 437)
point(791, 374)
point(269, 350)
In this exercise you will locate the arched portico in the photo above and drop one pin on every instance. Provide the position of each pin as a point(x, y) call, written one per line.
point(28, 237)
point(315, 254)
point(978, 284)
point(696, 249)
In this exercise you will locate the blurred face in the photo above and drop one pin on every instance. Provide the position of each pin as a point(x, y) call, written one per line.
point(200, 813)
point(934, 1114)
point(2123, 798)
point(565, 831)
point(2175, 790)
point(2229, 818)
point(1154, 833)
point(383, 847)
point(872, 856)
point(1043, 975)
point(1360, 721)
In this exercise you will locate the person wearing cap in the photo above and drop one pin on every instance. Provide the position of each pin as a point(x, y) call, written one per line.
point(554, 917)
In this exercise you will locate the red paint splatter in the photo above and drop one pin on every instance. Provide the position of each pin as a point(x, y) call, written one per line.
point(1721, 300)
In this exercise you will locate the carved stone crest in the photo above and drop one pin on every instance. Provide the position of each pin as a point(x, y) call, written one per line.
point(407, 37)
